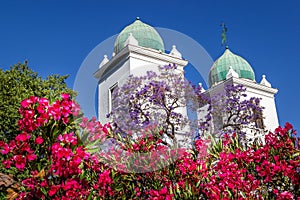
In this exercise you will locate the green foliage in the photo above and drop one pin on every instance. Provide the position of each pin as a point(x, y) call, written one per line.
point(21, 82)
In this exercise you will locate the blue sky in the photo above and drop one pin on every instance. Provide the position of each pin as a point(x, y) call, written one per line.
point(56, 36)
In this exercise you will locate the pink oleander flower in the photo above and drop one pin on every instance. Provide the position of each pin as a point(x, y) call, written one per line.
point(22, 137)
point(29, 182)
point(20, 162)
point(4, 148)
point(7, 163)
point(65, 96)
point(31, 157)
point(285, 196)
point(39, 140)
point(53, 190)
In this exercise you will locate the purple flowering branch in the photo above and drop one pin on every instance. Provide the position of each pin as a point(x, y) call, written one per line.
point(154, 99)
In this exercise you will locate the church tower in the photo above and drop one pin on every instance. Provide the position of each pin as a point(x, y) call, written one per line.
point(138, 48)
point(232, 69)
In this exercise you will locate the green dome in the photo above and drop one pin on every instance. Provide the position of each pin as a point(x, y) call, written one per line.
point(146, 36)
point(220, 68)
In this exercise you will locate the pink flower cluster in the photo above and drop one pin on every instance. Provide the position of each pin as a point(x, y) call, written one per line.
point(54, 163)
point(36, 111)
point(95, 129)
point(63, 176)
point(65, 161)
point(244, 172)
point(162, 194)
point(19, 150)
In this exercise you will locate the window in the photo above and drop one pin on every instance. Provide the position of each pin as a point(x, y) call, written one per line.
point(111, 96)
point(259, 123)
point(218, 121)
point(258, 118)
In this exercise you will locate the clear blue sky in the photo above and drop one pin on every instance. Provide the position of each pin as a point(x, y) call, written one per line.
point(56, 36)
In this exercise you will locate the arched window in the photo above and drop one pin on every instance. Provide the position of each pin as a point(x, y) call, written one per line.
point(111, 96)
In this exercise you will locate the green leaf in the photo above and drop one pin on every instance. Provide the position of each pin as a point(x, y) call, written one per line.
point(178, 190)
point(243, 194)
point(43, 190)
point(296, 154)
point(90, 195)
point(83, 174)
point(93, 147)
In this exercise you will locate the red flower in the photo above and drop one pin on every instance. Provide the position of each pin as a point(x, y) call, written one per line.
point(31, 157)
point(39, 140)
point(22, 137)
point(288, 126)
point(25, 103)
point(163, 191)
point(65, 96)
point(5, 149)
point(53, 190)
point(20, 161)
point(6, 163)
point(285, 195)
point(29, 182)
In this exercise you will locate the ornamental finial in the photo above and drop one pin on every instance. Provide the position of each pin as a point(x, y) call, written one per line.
point(224, 37)
point(265, 82)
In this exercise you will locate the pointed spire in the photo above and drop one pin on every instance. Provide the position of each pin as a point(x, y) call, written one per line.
point(231, 73)
point(265, 82)
point(174, 52)
point(104, 61)
point(131, 40)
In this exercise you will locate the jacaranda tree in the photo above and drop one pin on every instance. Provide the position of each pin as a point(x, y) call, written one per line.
point(231, 111)
point(158, 98)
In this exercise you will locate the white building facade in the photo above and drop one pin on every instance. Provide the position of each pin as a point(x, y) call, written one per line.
point(232, 69)
point(139, 48)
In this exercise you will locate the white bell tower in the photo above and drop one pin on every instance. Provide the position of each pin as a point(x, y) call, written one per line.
point(138, 49)
point(232, 69)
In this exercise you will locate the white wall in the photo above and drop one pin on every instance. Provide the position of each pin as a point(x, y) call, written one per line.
point(118, 76)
